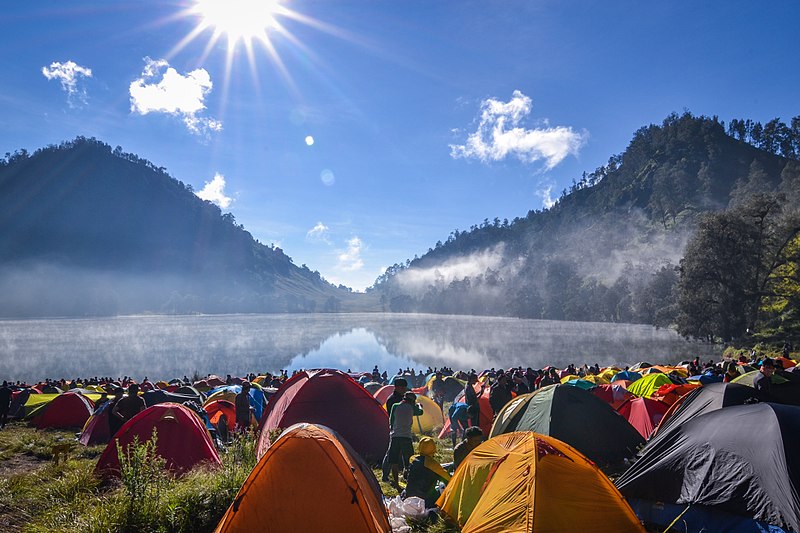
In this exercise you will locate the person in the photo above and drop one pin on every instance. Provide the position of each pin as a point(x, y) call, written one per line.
point(400, 389)
point(473, 437)
point(471, 399)
point(438, 390)
point(423, 474)
point(499, 393)
point(731, 372)
point(243, 408)
point(459, 416)
point(100, 401)
point(129, 406)
point(520, 386)
point(763, 380)
point(401, 444)
point(5, 403)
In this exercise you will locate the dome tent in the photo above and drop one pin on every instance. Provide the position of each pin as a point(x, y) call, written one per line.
point(309, 479)
point(730, 469)
point(333, 399)
point(524, 482)
point(67, 410)
point(574, 416)
point(183, 440)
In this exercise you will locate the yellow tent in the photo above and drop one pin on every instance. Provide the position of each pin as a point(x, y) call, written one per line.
point(569, 377)
point(597, 380)
point(610, 372)
point(525, 482)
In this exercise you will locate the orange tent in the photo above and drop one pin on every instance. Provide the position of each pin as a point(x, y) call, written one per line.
point(215, 409)
point(308, 480)
point(525, 482)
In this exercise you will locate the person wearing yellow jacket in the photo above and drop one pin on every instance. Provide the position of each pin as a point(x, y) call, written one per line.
point(424, 472)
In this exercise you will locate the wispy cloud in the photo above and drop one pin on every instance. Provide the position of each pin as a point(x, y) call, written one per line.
point(499, 135)
point(214, 191)
point(545, 193)
point(161, 89)
point(318, 233)
point(69, 75)
point(350, 259)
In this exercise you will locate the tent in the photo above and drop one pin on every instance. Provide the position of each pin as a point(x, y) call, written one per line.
point(183, 440)
point(308, 480)
point(704, 400)
point(217, 408)
point(157, 396)
point(643, 414)
point(649, 384)
point(783, 390)
point(97, 430)
point(581, 383)
point(68, 410)
point(382, 394)
point(524, 482)
point(372, 387)
point(614, 394)
point(332, 398)
point(627, 375)
point(487, 414)
point(452, 386)
point(431, 418)
point(229, 392)
point(574, 416)
point(738, 461)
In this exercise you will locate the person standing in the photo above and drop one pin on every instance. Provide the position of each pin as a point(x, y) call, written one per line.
point(399, 392)
point(243, 408)
point(763, 380)
point(5, 403)
point(499, 393)
point(471, 399)
point(401, 446)
point(129, 406)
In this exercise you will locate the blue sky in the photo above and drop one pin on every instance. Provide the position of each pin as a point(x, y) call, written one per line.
point(425, 116)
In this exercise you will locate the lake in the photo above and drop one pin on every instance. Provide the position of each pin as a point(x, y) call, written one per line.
point(163, 347)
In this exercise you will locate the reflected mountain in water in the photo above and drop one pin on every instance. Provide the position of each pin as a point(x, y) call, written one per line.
point(162, 347)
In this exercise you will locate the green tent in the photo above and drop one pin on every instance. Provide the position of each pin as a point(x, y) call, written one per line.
point(574, 416)
point(649, 384)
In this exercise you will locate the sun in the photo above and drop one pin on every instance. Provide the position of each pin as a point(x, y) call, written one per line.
point(238, 20)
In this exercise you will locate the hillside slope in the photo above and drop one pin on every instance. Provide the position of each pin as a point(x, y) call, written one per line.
point(607, 249)
point(87, 230)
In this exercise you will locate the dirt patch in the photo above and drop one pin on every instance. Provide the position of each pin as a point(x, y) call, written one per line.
point(20, 464)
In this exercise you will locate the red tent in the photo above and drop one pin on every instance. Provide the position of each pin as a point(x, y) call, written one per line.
point(217, 408)
point(183, 440)
point(613, 394)
point(333, 399)
point(97, 430)
point(68, 410)
point(383, 393)
point(643, 414)
point(487, 415)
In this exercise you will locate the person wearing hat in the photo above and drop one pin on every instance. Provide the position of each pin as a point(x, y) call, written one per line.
point(424, 472)
point(243, 408)
point(401, 446)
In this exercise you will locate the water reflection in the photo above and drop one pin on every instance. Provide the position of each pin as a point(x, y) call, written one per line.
point(168, 346)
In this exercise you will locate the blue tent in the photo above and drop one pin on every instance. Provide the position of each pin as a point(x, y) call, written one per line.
point(628, 375)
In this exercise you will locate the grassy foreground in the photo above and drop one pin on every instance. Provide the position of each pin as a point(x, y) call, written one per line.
point(38, 494)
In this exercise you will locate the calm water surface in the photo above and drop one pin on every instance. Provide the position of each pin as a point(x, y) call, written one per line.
point(163, 347)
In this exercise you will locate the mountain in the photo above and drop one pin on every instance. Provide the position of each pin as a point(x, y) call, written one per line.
point(608, 248)
point(87, 230)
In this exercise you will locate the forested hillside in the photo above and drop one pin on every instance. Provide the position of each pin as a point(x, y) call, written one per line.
point(87, 230)
point(611, 246)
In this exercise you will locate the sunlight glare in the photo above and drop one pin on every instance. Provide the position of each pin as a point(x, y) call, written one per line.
point(238, 19)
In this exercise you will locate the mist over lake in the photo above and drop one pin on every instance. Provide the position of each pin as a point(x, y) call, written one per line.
point(163, 347)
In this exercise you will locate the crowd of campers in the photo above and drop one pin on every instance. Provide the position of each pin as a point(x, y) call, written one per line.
point(699, 446)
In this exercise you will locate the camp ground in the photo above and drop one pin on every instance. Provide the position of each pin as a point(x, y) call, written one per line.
point(544, 463)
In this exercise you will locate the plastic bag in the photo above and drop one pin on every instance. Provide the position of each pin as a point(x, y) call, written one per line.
point(400, 509)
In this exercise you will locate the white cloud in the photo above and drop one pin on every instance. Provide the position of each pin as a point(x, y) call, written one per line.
point(350, 259)
point(318, 233)
point(500, 135)
point(417, 280)
point(69, 74)
point(174, 94)
point(214, 191)
point(545, 194)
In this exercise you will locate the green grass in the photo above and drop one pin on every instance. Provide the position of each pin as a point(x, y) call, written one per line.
point(39, 496)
